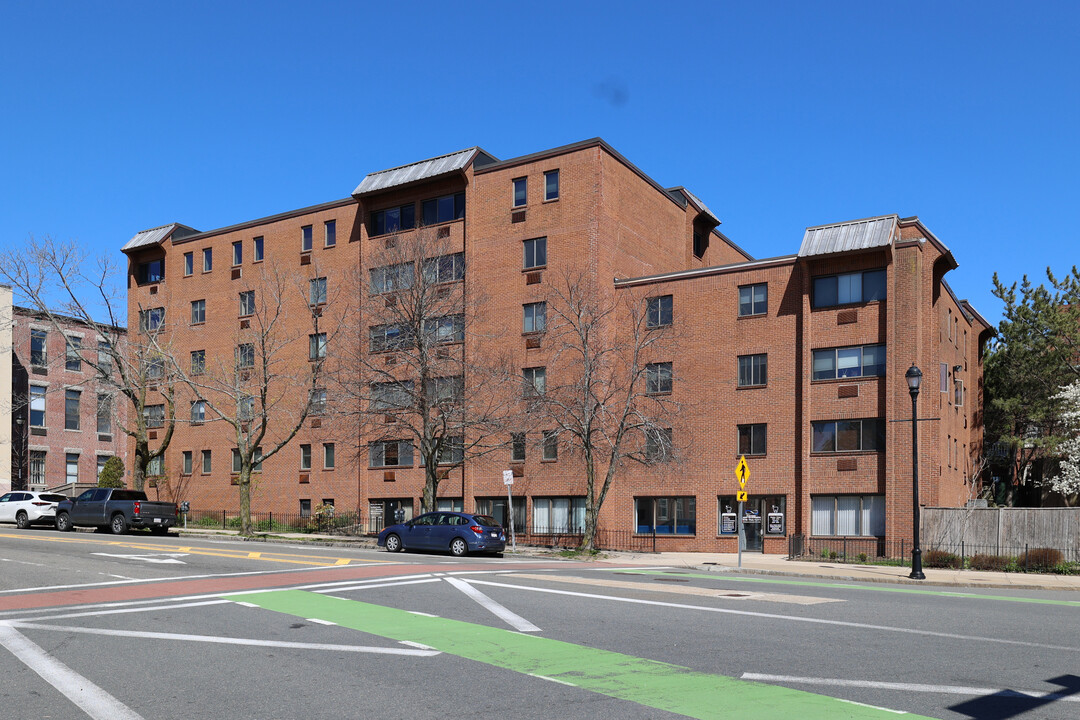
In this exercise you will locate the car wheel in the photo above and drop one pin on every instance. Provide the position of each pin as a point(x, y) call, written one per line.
point(393, 543)
point(63, 522)
point(458, 547)
point(119, 525)
point(21, 521)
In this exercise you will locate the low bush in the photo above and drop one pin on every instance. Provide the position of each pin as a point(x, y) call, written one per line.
point(1041, 560)
point(998, 563)
point(941, 559)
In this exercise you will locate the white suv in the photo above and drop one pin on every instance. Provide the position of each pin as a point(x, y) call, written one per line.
point(26, 508)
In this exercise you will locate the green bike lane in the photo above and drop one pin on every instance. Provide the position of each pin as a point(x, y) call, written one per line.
point(664, 686)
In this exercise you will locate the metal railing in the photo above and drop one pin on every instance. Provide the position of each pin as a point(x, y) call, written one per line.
point(340, 522)
point(960, 555)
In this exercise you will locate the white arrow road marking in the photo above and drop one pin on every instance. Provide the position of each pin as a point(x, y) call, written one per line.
point(911, 687)
point(224, 641)
point(515, 621)
point(156, 558)
point(94, 701)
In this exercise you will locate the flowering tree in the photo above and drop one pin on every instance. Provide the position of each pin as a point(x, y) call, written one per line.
point(1067, 481)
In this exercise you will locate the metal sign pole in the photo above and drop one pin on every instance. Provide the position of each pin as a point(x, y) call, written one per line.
point(742, 533)
point(510, 512)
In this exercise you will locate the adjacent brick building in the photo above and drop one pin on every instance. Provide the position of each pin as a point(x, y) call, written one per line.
point(65, 423)
point(796, 362)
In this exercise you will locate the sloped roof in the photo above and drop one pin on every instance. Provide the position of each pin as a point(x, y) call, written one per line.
point(701, 206)
point(847, 236)
point(413, 172)
point(154, 236)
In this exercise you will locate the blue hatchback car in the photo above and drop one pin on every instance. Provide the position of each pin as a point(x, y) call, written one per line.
point(458, 533)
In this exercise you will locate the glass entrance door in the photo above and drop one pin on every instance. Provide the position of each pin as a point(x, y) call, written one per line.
point(752, 525)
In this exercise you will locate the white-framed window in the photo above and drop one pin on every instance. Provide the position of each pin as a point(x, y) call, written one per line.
point(521, 191)
point(257, 249)
point(37, 406)
point(187, 462)
point(247, 303)
point(316, 346)
point(328, 456)
point(207, 462)
point(238, 252)
point(317, 291)
point(535, 381)
point(207, 259)
point(305, 456)
point(860, 515)
point(551, 445)
point(198, 312)
point(558, 515)
point(198, 411)
point(535, 317)
point(330, 233)
point(305, 238)
point(189, 263)
point(71, 468)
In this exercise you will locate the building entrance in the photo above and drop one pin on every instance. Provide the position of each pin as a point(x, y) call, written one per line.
point(752, 525)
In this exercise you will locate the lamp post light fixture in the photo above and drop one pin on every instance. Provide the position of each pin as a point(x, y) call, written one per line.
point(914, 379)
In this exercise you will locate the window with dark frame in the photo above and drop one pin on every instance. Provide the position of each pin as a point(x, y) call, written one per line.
point(392, 220)
point(517, 447)
point(443, 209)
point(849, 362)
point(151, 271)
point(666, 515)
point(551, 445)
point(317, 291)
point(658, 378)
point(328, 456)
point(390, 453)
point(39, 354)
point(535, 253)
point(37, 406)
point(207, 462)
point(72, 358)
point(658, 311)
point(154, 416)
point(151, 320)
point(848, 435)
point(551, 185)
point(658, 444)
point(753, 370)
point(389, 337)
point(104, 414)
point(317, 402)
point(186, 466)
point(446, 329)
point(445, 268)
point(392, 278)
point(521, 191)
point(317, 346)
point(753, 299)
point(752, 439)
point(198, 362)
point(847, 515)
point(849, 288)
point(198, 412)
point(71, 409)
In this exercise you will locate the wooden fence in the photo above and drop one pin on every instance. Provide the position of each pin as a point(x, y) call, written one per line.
point(949, 528)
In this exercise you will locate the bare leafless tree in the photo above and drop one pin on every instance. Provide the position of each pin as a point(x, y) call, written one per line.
point(62, 284)
point(607, 388)
point(263, 391)
point(407, 375)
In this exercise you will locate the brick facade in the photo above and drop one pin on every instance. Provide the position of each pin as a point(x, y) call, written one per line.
point(630, 239)
point(47, 375)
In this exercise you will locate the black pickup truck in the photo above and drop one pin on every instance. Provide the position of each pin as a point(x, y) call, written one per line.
point(115, 509)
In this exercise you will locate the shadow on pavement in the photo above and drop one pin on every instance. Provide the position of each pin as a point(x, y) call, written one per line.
point(1010, 703)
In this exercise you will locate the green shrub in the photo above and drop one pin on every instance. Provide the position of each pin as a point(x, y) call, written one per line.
point(1041, 559)
point(941, 559)
point(862, 557)
point(997, 563)
point(112, 475)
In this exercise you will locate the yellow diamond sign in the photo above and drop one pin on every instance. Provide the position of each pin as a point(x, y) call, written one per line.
point(742, 472)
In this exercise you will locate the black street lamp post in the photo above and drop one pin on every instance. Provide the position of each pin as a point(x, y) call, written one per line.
point(914, 379)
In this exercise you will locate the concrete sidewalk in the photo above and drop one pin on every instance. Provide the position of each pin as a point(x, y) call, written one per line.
point(752, 563)
point(780, 565)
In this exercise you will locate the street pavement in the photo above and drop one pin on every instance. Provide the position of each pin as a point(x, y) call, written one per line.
point(751, 563)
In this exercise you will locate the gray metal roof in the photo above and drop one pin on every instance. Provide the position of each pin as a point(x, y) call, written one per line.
point(153, 236)
point(416, 171)
point(701, 206)
point(847, 236)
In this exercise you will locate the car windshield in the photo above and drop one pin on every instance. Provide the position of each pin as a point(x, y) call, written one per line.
point(486, 520)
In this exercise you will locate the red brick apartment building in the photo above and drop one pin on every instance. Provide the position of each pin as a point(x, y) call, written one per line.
point(64, 422)
point(796, 362)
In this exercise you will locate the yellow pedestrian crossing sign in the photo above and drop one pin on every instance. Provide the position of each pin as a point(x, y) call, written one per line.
point(742, 472)
point(740, 496)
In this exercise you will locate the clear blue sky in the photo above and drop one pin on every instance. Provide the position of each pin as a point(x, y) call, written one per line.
point(122, 116)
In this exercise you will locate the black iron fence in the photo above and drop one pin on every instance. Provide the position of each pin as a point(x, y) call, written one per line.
point(338, 522)
point(962, 555)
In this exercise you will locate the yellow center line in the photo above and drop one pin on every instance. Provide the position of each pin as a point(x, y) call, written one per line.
point(290, 558)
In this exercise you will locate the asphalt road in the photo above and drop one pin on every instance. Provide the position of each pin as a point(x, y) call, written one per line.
point(99, 626)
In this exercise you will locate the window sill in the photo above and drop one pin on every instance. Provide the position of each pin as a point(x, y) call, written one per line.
point(752, 455)
point(750, 387)
point(390, 467)
point(754, 315)
point(552, 460)
point(535, 268)
point(840, 453)
point(658, 327)
point(198, 324)
point(188, 274)
point(858, 378)
point(328, 469)
point(329, 247)
point(659, 394)
point(547, 201)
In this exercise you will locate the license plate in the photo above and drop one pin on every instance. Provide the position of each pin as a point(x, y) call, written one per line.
point(157, 520)
point(494, 534)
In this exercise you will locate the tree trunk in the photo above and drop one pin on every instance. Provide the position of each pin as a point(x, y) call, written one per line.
point(245, 502)
point(588, 540)
point(431, 487)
